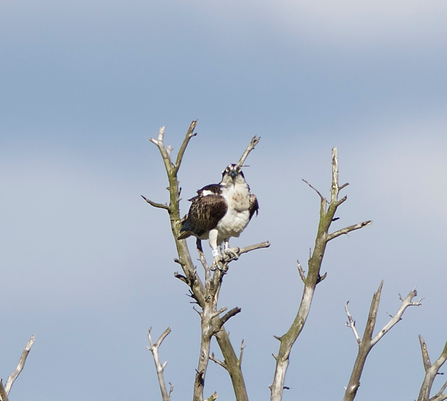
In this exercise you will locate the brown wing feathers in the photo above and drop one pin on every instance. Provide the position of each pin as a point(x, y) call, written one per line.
point(204, 213)
point(253, 205)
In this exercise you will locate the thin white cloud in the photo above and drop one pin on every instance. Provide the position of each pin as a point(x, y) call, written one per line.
point(366, 22)
point(343, 23)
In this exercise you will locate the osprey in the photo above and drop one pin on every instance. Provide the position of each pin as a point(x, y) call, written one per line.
point(220, 211)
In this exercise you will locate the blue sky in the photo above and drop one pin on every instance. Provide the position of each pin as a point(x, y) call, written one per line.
point(87, 265)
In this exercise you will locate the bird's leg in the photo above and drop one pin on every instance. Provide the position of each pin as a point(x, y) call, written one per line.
point(199, 244)
point(232, 252)
point(213, 244)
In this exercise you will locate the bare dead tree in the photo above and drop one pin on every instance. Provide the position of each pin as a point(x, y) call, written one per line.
point(205, 294)
point(368, 341)
point(4, 390)
point(431, 371)
point(327, 213)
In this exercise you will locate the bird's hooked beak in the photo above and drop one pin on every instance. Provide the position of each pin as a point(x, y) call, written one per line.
point(233, 173)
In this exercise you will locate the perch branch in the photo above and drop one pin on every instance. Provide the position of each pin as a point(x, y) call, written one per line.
point(13, 376)
point(204, 294)
point(166, 395)
point(250, 248)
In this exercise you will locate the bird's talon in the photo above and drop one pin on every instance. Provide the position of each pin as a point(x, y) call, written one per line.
point(233, 253)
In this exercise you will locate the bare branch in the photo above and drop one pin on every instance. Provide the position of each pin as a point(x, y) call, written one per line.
point(230, 314)
point(190, 133)
point(321, 278)
point(158, 366)
point(212, 397)
point(334, 188)
point(440, 397)
point(321, 196)
point(215, 360)
point(397, 317)
point(171, 389)
point(161, 134)
point(346, 230)
point(163, 151)
point(351, 323)
point(217, 313)
point(181, 277)
point(250, 248)
point(13, 376)
point(301, 271)
point(156, 205)
point(242, 352)
point(202, 259)
point(254, 141)
point(229, 257)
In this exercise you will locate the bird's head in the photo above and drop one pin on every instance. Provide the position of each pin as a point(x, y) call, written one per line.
point(232, 174)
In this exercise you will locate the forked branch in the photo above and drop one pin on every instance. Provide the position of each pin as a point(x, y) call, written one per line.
point(367, 341)
point(159, 367)
point(431, 371)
